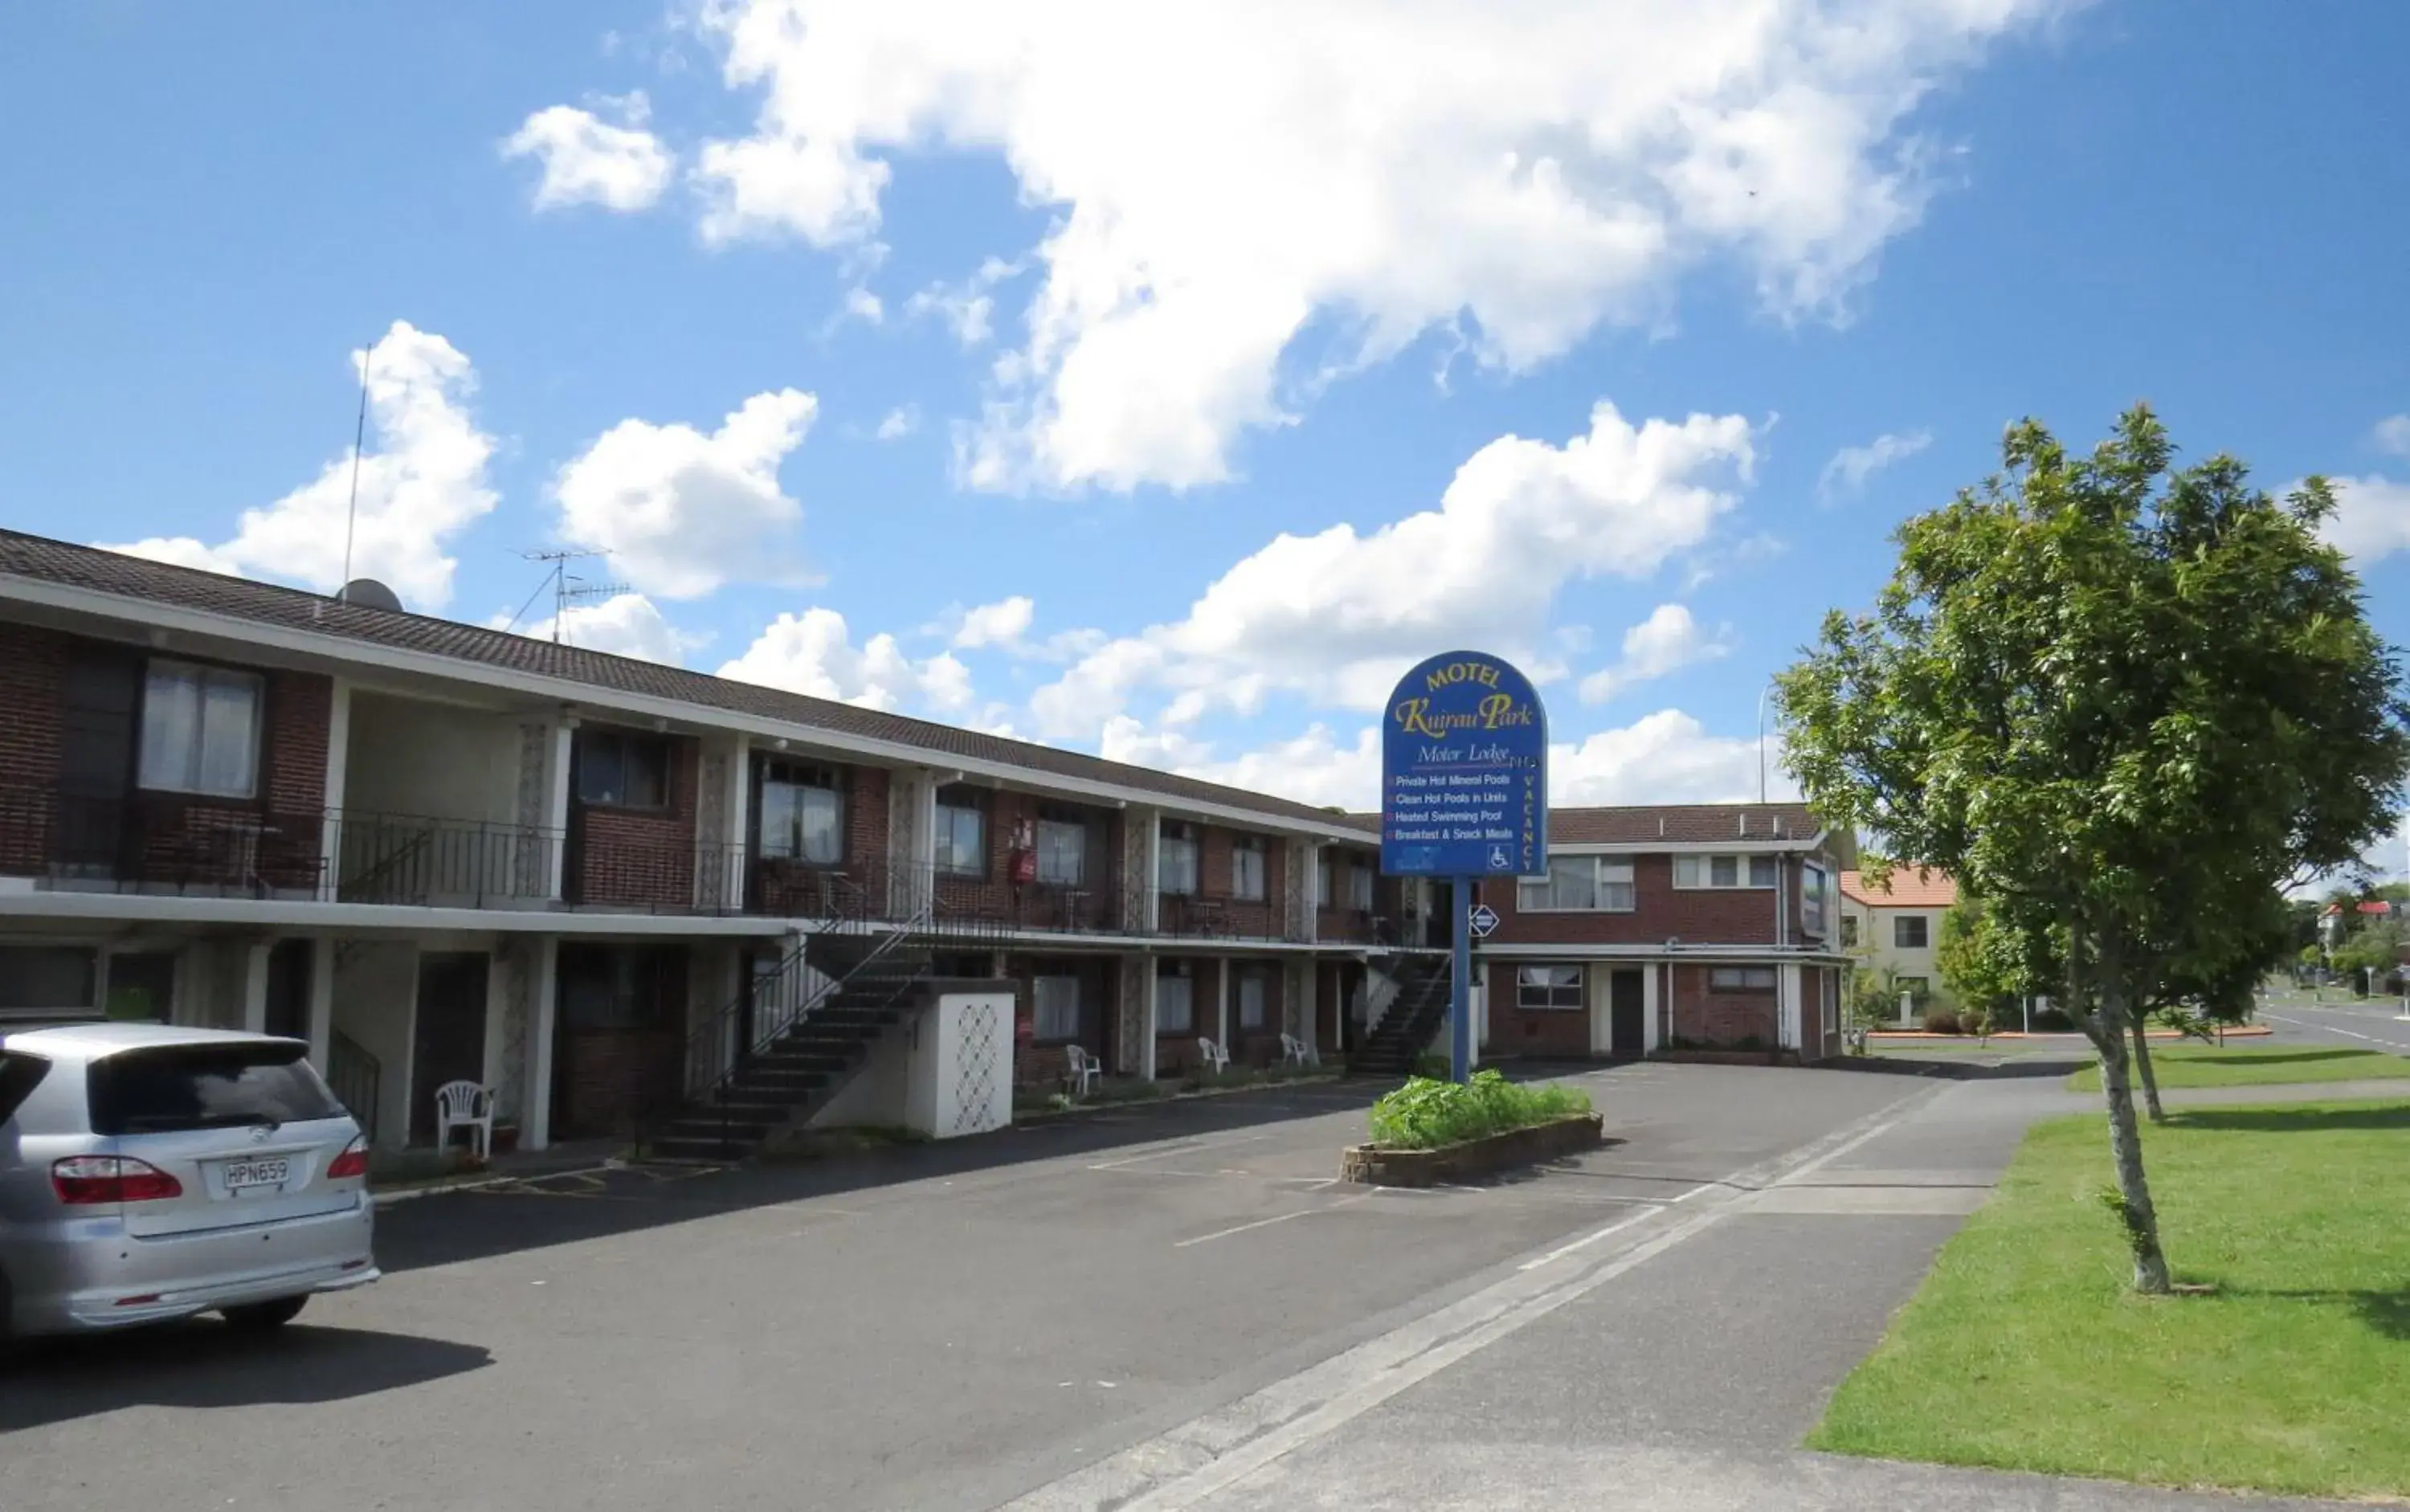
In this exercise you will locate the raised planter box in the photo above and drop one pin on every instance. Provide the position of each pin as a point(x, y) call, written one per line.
point(1374, 1166)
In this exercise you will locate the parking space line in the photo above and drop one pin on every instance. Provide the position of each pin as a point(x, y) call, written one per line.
point(1182, 1147)
point(1266, 1223)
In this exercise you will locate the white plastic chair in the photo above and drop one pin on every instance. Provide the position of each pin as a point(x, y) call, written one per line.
point(1217, 1059)
point(465, 1105)
point(1080, 1070)
point(1299, 1052)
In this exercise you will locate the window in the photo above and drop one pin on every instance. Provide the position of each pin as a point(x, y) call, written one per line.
point(1247, 867)
point(1850, 931)
point(1360, 887)
point(1175, 1002)
point(1061, 852)
point(962, 833)
point(1908, 931)
point(1812, 885)
point(1740, 979)
point(1917, 988)
point(1175, 866)
point(1057, 1000)
point(1251, 998)
point(20, 1074)
point(1724, 871)
point(1576, 882)
point(1549, 987)
point(200, 730)
point(176, 1087)
point(49, 976)
point(622, 770)
point(622, 986)
point(1325, 868)
point(802, 814)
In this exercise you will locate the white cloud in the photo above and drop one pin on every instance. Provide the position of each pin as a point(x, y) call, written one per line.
point(625, 624)
point(681, 512)
point(969, 309)
point(588, 161)
point(1224, 175)
point(1666, 756)
point(864, 306)
point(2391, 435)
point(1338, 615)
point(1668, 640)
point(1003, 623)
point(813, 652)
point(423, 484)
point(1849, 468)
point(2371, 518)
point(899, 422)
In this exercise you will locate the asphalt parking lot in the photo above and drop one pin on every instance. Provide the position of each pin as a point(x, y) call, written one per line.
point(934, 1327)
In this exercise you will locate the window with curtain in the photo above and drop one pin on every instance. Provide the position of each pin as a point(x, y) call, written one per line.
point(1741, 979)
point(1360, 887)
point(1061, 852)
point(1325, 896)
point(1549, 987)
point(1175, 868)
point(962, 834)
point(1725, 871)
point(802, 814)
point(1908, 931)
point(1579, 882)
point(1175, 1004)
point(200, 730)
point(1247, 867)
point(1057, 1002)
point(1251, 998)
point(1812, 886)
point(622, 770)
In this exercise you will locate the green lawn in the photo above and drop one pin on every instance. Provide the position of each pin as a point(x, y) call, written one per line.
point(2206, 1066)
point(2025, 1349)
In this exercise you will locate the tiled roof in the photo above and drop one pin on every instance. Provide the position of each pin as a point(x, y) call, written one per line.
point(136, 577)
point(1911, 887)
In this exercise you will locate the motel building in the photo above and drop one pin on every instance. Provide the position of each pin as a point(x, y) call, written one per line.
point(633, 899)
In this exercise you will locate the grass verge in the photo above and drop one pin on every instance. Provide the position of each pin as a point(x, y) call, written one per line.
point(1425, 1114)
point(2206, 1066)
point(2025, 1349)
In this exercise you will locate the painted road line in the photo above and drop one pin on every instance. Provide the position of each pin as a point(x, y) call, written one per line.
point(1266, 1223)
point(2329, 1028)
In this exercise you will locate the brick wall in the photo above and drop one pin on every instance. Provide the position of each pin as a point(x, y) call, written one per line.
point(1705, 1016)
point(639, 858)
point(1720, 916)
point(1038, 1061)
point(1259, 1046)
point(995, 894)
point(1215, 907)
point(1515, 1030)
point(33, 669)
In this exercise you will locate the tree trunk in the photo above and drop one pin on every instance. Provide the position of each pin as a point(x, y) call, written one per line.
point(2131, 1202)
point(2150, 1077)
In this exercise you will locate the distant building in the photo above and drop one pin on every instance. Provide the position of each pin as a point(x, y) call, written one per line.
point(1897, 925)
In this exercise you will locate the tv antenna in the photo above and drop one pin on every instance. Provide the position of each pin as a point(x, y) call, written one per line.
point(568, 589)
point(360, 441)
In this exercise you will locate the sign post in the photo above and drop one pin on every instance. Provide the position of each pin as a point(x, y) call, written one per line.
point(1464, 795)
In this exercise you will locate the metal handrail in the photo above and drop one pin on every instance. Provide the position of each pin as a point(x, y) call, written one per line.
point(354, 1076)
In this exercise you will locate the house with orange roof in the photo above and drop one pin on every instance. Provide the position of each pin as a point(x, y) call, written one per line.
point(1896, 924)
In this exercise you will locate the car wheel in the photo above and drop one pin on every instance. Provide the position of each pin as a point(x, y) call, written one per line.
point(259, 1317)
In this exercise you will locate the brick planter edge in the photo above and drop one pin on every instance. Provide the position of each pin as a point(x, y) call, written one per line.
point(1372, 1165)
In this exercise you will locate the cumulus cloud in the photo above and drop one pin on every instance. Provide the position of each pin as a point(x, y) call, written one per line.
point(1845, 475)
point(898, 423)
point(813, 652)
point(422, 484)
point(1518, 175)
point(1668, 640)
point(1003, 623)
point(590, 161)
point(2371, 518)
point(969, 308)
point(1312, 768)
point(1338, 615)
point(624, 624)
point(682, 513)
point(2391, 435)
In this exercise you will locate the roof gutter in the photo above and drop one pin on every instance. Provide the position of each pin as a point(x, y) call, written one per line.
point(341, 648)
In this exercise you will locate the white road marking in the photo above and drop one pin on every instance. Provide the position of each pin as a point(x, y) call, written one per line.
point(1266, 1223)
point(1177, 1147)
point(2329, 1028)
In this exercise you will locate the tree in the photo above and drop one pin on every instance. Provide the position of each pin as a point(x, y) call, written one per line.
point(2375, 947)
point(2121, 704)
point(1981, 965)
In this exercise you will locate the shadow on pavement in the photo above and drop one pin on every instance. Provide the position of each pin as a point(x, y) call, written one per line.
point(2289, 1119)
point(2029, 1065)
point(450, 1227)
point(203, 1363)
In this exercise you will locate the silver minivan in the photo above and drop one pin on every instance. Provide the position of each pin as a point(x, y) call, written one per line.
point(151, 1172)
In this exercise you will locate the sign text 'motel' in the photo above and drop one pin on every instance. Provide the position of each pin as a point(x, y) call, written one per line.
point(1464, 754)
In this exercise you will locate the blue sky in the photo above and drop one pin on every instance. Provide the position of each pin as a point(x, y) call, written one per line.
point(1247, 280)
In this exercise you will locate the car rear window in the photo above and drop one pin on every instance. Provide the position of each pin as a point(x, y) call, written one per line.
point(20, 1074)
point(176, 1087)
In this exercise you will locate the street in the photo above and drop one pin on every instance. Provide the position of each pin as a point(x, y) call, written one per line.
point(1175, 1302)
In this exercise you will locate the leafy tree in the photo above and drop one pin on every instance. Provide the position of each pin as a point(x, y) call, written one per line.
point(1982, 965)
point(2375, 947)
point(2121, 704)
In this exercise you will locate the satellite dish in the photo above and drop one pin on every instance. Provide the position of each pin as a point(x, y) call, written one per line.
point(369, 593)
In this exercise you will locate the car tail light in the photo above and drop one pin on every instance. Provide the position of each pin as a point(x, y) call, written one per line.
point(354, 1161)
point(82, 1180)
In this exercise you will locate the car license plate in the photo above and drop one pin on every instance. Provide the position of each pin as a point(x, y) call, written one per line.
point(243, 1175)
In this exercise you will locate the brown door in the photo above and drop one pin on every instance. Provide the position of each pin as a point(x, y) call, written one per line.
point(1626, 1015)
point(288, 989)
point(448, 1040)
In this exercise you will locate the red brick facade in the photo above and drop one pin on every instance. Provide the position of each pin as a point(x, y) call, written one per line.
point(1516, 1030)
point(992, 894)
point(1216, 908)
point(1662, 912)
point(1042, 1062)
point(638, 858)
point(1703, 1015)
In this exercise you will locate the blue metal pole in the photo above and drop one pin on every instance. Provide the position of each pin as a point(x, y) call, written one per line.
point(1460, 1011)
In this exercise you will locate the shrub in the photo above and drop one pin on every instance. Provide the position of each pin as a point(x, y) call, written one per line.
point(1942, 1021)
point(1425, 1114)
point(1435, 1068)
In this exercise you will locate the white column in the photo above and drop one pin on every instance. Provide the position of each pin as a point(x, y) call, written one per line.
point(338, 757)
point(1146, 1060)
point(322, 1000)
point(498, 1009)
point(1649, 976)
point(1788, 1028)
point(543, 973)
point(1150, 860)
point(556, 802)
point(1310, 904)
point(1222, 1003)
point(255, 986)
